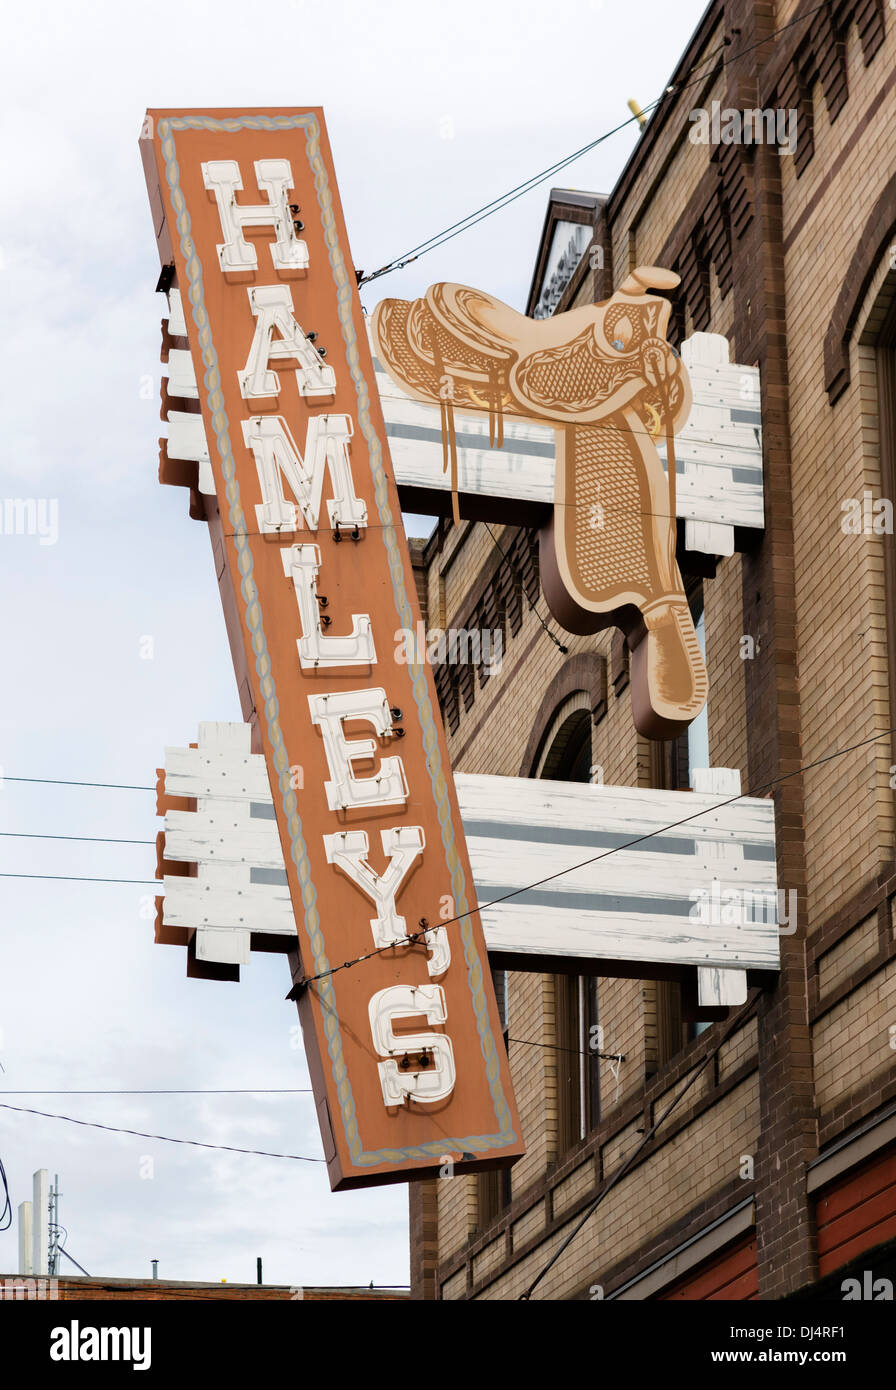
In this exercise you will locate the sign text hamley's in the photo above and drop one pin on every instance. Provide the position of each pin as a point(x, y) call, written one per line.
point(405, 1050)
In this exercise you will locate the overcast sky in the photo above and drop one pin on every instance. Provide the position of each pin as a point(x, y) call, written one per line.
point(432, 111)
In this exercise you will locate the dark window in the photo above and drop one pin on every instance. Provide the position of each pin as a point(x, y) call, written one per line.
point(495, 1190)
point(568, 759)
point(578, 1065)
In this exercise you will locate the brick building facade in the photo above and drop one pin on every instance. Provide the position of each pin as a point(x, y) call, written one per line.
point(779, 1166)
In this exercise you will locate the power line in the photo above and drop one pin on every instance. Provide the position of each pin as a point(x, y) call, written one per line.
point(739, 1019)
point(76, 878)
point(6, 1213)
point(552, 1047)
point(505, 199)
point(268, 1090)
point(163, 1138)
point(63, 782)
point(248, 1091)
point(81, 839)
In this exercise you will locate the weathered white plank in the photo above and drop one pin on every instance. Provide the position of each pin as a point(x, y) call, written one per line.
point(186, 436)
point(662, 879)
point(523, 467)
point(177, 324)
point(223, 904)
point(181, 377)
point(610, 869)
point(191, 772)
point(227, 947)
point(195, 837)
point(512, 928)
point(629, 810)
point(631, 904)
point(709, 537)
point(721, 989)
point(186, 440)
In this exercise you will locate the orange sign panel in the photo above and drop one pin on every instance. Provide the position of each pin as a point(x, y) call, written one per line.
point(405, 1047)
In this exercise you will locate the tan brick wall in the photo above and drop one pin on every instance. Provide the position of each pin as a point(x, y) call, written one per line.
point(854, 950)
point(681, 178)
point(840, 632)
point(533, 1066)
point(580, 1181)
point(458, 1214)
point(703, 1157)
point(642, 226)
point(621, 1011)
point(739, 1048)
point(851, 1043)
point(528, 1225)
point(839, 582)
point(489, 1259)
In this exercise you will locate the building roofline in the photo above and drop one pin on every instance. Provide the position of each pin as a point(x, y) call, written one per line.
point(660, 115)
point(571, 200)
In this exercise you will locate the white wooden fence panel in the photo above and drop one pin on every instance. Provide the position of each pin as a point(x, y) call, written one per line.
point(225, 903)
point(528, 841)
point(515, 928)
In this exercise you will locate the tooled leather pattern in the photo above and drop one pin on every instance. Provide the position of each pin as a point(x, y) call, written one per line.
point(574, 376)
point(459, 358)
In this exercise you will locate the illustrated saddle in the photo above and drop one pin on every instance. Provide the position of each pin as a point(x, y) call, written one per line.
point(604, 377)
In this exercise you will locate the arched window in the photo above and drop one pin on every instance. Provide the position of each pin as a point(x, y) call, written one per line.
point(566, 748)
